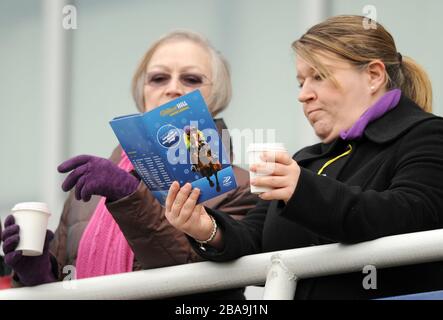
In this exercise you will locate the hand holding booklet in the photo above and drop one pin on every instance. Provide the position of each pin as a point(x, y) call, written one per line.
point(177, 141)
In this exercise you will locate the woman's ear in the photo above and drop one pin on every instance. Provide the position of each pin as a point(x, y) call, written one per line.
point(377, 75)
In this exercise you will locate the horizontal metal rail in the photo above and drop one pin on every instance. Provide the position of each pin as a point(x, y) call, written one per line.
point(315, 261)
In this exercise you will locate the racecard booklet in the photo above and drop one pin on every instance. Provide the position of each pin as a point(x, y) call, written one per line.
point(177, 141)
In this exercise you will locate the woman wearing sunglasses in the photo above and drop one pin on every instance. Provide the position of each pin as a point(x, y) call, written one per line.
point(111, 223)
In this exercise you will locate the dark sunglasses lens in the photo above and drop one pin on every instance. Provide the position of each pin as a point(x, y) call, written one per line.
point(191, 80)
point(158, 80)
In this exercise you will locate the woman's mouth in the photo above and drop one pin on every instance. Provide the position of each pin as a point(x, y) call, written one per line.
point(313, 114)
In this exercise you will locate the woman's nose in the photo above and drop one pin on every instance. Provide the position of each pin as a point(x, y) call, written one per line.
point(174, 88)
point(306, 95)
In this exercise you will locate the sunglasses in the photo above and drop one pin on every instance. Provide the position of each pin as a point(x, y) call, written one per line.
point(191, 80)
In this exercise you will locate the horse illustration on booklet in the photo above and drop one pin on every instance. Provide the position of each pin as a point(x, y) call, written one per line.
point(201, 156)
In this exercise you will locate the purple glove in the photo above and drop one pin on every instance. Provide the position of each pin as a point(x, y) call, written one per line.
point(97, 176)
point(30, 271)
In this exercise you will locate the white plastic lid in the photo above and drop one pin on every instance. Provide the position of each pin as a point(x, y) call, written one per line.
point(266, 147)
point(36, 206)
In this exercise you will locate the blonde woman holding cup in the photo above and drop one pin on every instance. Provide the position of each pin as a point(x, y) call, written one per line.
point(378, 170)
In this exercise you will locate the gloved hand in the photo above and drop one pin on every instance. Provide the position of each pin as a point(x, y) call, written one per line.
point(97, 176)
point(30, 271)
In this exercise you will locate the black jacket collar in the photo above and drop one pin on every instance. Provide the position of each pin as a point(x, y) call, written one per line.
point(396, 122)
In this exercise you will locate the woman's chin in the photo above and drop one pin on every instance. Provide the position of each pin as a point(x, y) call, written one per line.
point(326, 137)
point(324, 134)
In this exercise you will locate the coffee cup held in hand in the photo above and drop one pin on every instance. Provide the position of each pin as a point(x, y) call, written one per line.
point(32, 218)
point(255, 150)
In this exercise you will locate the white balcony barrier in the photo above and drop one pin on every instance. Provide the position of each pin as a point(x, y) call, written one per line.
point(278, 269)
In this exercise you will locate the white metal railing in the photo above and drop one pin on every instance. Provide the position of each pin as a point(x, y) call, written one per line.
point(279, 270)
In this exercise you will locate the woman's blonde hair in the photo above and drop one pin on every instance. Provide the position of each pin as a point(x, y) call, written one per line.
point(350, 38)
point(221, 90)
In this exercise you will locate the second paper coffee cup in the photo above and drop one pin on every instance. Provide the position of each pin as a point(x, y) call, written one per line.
point(254, 152)
point(32, 218)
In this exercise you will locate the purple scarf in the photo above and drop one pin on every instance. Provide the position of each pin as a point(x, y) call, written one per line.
point(386, 103)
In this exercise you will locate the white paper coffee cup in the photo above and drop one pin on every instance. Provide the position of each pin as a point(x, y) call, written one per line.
point(255, 150)
point(32, 218)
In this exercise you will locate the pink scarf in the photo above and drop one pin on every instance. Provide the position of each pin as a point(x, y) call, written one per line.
point(103, 249)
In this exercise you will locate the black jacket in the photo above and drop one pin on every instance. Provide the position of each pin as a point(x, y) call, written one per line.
point(391, 183)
